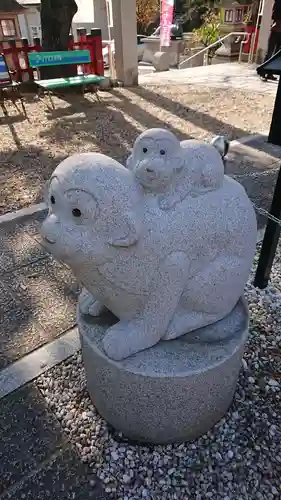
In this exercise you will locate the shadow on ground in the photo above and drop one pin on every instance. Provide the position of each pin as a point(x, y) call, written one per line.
point(23, 170)
point(32, 149)
point(37, 295)
point(41, 464)
point(198, 118)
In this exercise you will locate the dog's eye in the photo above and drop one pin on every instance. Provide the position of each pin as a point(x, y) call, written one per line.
point(76, 212)
point(53, 201)
point(162, 152)
point(144, 150)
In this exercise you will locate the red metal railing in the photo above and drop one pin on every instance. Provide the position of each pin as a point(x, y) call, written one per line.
point(16, 53)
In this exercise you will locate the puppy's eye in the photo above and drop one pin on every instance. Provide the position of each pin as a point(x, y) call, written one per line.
point(76, 212)
point(53, 201)
point(162, 152)
point(144, 150)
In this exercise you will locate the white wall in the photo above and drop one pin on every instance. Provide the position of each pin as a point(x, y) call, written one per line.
point(91, 14)
point(85, 11)
point(30, 24)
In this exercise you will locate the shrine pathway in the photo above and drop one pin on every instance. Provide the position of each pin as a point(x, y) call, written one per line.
point(229, 75)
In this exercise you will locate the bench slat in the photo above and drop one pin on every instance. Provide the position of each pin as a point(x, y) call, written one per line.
point(69, 82)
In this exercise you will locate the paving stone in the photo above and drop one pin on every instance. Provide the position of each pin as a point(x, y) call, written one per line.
point(260, 187)
point(261, 144)
point(244, 159)
point(37, 461)
point(46, 295)
point(28, 434)
point(20, 243)
point(63, 478)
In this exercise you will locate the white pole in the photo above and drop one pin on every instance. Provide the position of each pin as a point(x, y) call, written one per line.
point(108, 19)
point(110, 51)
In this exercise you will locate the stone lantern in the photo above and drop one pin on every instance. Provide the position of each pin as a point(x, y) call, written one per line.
point(232, 15)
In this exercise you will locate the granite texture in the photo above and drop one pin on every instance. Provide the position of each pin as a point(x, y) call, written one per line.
point(164, 262)
point(174, 391)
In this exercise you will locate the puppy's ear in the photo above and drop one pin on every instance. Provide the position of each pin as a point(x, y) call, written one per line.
point(127, 232)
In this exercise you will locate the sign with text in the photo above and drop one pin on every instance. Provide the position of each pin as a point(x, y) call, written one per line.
point(167, 12)
point(38, 59)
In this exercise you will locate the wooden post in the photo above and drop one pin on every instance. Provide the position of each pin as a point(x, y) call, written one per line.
point(82, 37)
point(71, 42)
point(25, 50)
point(37, 44)
point(92, 66)
point(97, 48)
point(15, 59)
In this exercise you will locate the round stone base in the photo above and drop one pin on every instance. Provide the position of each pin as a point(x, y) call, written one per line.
point(175, 391)
point(162, 61)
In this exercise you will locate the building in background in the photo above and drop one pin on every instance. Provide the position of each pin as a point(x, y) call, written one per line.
point(94, 14)
point(9, 22)
point(29, 21)
point(90, 14)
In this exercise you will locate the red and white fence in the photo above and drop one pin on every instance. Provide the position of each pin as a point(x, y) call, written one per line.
point(16, 53)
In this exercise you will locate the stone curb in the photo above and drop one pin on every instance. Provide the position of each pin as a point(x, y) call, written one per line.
point(37, 362)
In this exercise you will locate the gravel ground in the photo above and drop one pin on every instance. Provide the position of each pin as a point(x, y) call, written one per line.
point(239, 459)
point(30, 150)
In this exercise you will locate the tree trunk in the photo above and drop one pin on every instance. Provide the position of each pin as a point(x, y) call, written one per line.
point(56, 19)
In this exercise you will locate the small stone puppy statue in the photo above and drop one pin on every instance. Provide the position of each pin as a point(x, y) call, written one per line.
point(172, 169)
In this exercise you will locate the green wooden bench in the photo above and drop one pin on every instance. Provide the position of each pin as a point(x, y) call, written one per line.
point(75, 57)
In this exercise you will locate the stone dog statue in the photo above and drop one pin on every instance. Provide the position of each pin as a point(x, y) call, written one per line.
point(172, 169)
point(163, 273)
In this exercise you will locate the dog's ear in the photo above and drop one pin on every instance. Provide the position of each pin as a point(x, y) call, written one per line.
point(127, 232)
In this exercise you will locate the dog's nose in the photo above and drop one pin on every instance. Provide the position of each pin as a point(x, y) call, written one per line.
point(149, 170)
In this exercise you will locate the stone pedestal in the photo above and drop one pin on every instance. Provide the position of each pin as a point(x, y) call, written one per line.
point(161, 61)
point(197, 60)
point(173, 392)
point(152, 46)
point(230, 48)
point(228, 51)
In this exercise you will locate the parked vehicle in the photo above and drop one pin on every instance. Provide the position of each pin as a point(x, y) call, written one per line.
point(106, 55)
